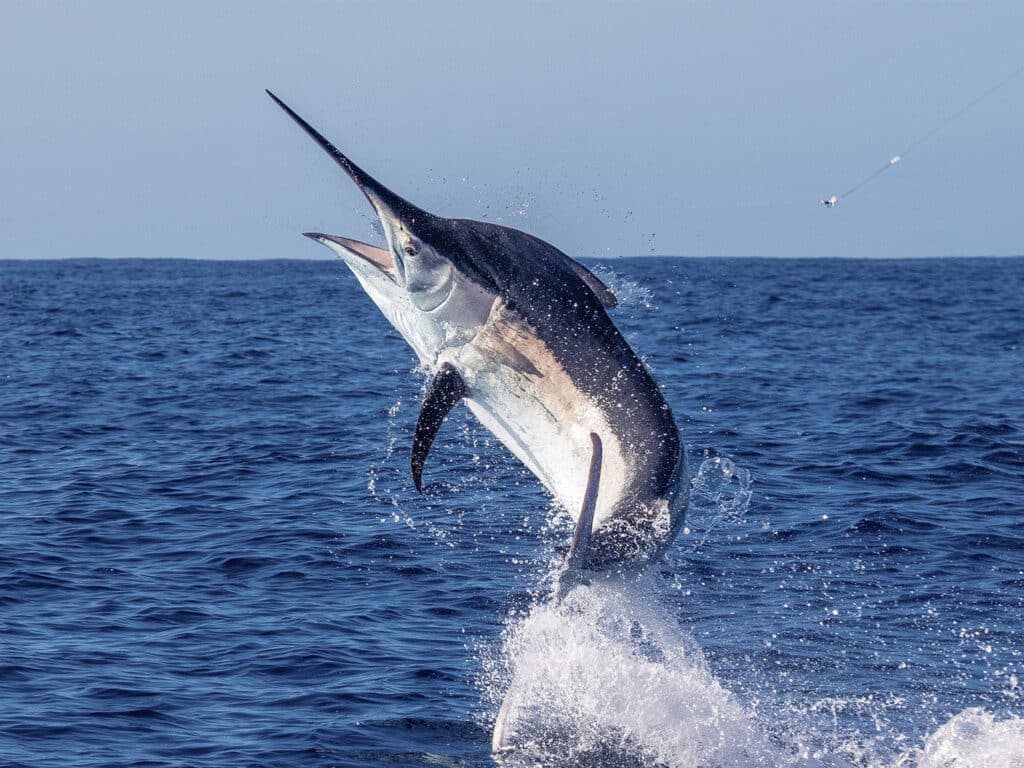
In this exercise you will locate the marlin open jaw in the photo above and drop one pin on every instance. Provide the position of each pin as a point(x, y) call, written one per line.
point(519, 331)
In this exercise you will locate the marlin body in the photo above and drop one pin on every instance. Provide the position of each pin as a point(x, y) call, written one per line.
point(518, 331)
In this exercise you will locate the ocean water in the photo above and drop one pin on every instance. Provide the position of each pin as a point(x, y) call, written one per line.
point(213, 555)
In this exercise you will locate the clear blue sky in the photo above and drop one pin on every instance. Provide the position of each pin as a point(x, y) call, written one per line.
point(704, 129)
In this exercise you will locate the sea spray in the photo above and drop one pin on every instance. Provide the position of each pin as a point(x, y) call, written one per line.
point(972, 738)
point(607, 675)
point(609, 678)
point(634, 297)
point(720, 494)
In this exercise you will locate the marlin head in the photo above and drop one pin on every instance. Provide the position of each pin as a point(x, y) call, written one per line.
point(426, 294)
point(410, 262)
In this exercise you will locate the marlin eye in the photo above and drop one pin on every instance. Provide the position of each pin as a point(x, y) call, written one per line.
point(409, 248)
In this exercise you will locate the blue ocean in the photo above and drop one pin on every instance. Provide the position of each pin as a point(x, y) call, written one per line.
point(213, 553)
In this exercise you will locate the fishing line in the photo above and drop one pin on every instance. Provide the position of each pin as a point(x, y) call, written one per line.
point(833, 201)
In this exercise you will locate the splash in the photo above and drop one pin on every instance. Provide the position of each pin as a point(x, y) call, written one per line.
point(633, 296)
point(720, 494)
point(972, 738)
point(440, 517)
point(609, 678)
point(606, 676)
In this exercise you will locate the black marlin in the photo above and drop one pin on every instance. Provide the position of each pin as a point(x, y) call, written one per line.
point(519, 331)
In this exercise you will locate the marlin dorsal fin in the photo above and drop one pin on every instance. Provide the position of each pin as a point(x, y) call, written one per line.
point(444, 393)
point(604, 294)
point(585, 524)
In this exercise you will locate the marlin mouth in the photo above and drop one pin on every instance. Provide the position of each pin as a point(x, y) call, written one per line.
point(390, 208)
point(380, 258)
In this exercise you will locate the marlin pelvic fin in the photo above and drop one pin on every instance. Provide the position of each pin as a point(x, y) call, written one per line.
point(579, 552)
point(595, 284)
point(444, 393)
point(585, 524)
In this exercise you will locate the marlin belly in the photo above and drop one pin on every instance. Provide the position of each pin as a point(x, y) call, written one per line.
point(523, 395)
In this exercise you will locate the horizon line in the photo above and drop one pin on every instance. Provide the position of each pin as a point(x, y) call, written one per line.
point(596, 258)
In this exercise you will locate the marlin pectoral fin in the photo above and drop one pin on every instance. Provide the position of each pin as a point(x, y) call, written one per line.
point(444, 393)
point(602, 291)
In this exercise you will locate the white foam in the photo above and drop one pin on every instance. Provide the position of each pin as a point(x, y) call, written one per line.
point(608, 678)
point(606, 673)
point(972, 739)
